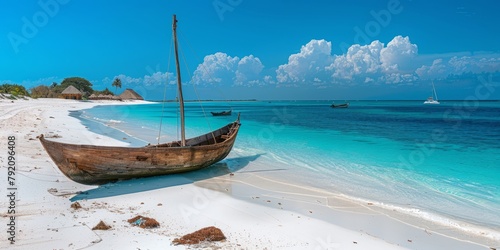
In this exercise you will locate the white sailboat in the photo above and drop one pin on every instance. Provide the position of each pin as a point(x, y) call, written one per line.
point(430, 99)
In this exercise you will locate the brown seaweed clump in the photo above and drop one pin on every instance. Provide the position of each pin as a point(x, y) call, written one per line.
point(76, 205)
point(144, 222)
point(101, 226)
point(204, 234)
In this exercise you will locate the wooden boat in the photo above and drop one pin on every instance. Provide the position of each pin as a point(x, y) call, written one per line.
point(222, 113)
point(343, 105)
point(94, 165)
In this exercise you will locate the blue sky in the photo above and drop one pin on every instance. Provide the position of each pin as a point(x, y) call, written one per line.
point(242, 49)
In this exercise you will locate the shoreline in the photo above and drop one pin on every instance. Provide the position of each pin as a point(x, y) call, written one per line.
point(249, 207)
point(415, 215)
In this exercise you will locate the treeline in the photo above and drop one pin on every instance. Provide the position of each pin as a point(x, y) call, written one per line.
point(104, 92)
point(54, 90)
point(13, 89)
point(43, 91)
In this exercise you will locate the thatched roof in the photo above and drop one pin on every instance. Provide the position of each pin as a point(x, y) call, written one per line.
point(70, 90)
point(130, 94)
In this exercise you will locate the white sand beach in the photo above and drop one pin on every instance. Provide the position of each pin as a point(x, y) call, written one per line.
point(253, 210)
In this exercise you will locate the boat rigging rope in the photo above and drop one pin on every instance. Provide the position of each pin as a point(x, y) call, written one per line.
point(207, 72)
point(165, 93)
point(194, 87)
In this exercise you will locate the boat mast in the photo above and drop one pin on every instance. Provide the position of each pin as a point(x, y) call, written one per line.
point(179, 83)
point(433, 88)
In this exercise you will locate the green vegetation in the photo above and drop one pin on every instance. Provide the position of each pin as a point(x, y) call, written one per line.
point(43, 91)
point(104, 92)
point(54, 90)
point(81, 84)
point(14, 89)
point(117, 83)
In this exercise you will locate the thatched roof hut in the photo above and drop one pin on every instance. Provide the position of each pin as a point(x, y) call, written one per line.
point(71, 93)
point(130, 94)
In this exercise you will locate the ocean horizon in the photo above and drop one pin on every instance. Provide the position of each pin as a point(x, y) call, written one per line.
point(435, 162)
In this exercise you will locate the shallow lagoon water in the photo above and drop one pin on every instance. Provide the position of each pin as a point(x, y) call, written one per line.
point(439, 161)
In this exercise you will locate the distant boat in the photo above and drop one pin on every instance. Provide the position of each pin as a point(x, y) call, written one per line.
point(343, 105)
point(222, 113)
point(430, 99)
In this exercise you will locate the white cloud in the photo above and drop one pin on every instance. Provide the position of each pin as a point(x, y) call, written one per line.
point(398, 62)
point(220, 68)
point(370, 63)
point(47, 81)
point(216, 68)
point(249, 69)
point(269, 80)
point(437, 70)
point(375, 63)
point(359, 60)
point(127, 80)
point(398, 55)
point(158, 78)
point(306, 65)
point(398, 78)
point(365, 63)
point(476, 64)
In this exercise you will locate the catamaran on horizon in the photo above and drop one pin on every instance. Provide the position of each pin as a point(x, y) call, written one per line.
point(430, 99)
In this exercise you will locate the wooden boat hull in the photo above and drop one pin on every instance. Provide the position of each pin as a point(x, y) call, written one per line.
point(223, 113)
point(94, 165)
point(345, 105)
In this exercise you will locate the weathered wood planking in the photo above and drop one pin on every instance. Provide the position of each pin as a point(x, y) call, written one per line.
point(94, 165)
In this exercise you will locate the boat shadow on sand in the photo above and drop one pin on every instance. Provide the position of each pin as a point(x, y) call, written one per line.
point(157, 182)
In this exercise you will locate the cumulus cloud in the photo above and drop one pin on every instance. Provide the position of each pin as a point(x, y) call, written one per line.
point(33, 83)
point(398, 78)
point(216, 68)
point(477, 64)
point(359, 60)
point(248, 72)
point(376, 63)
point(157, 78)
point(436, 70)
point(372, 63)
point(160, 78)
point(269, 79)
point(398, 55)
point(308, 64)
point(474, 64)
point(398, 62)
point(220, 68)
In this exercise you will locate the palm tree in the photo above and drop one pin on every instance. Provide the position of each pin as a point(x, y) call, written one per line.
point(117, 83)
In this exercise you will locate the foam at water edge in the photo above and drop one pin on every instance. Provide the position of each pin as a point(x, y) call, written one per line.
point(435, 218)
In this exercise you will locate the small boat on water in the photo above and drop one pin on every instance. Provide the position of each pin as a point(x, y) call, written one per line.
point(222, 113)
point(95, 165)
point(430, 99)
point(343, 105)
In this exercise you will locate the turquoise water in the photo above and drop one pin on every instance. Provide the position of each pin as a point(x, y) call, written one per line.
point(440, 162)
